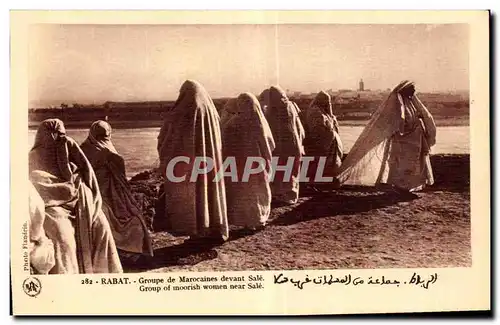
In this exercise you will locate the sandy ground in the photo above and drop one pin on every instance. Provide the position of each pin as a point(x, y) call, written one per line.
point(345, 228)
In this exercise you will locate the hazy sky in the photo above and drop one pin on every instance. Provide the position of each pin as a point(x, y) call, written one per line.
point(85, 63)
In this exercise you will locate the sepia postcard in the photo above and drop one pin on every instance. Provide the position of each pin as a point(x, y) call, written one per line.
point(249, 162)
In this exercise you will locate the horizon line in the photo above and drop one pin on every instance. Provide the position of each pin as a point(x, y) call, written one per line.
point(103, 101)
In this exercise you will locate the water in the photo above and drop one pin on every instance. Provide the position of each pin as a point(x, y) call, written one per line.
point(138, 146)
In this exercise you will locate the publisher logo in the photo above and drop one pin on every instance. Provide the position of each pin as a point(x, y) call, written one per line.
point(32, 286)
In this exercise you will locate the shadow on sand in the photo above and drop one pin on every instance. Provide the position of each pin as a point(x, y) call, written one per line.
point(314, 203)
point(328, 204)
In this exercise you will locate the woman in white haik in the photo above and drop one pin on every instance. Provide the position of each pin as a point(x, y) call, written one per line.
point(322, 136)
point(124, 215)
point(394, 147)
point(246, 137)
point(288, 132)
point(195, 208)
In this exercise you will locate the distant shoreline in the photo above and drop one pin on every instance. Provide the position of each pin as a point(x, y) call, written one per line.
point(440, 121)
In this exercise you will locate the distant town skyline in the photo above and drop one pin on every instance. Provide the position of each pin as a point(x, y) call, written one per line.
point(98, 63)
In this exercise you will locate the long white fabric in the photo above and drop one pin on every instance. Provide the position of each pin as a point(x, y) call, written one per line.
point(247, 135)
point(192, 129)
point(394, 147)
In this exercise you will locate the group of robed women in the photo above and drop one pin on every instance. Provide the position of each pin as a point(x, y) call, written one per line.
point(204, 209)
point(393, 149)
point(66, 189)
point(82, 198)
